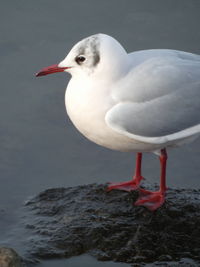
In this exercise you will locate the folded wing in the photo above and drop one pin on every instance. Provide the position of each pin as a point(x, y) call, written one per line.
point(159, 100)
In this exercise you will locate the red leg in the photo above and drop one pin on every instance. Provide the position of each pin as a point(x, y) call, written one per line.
point(154, 200)
point(134, 183)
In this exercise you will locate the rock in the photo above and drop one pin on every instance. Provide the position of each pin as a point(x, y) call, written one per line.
point(66, 222)
point(9, 258)
point(165, 258)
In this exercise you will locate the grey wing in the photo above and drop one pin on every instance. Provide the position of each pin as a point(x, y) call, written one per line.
point(159, 99)
point(170, 117)
point(155, 73)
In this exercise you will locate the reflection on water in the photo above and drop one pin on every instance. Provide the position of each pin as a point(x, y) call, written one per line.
point(85, 260)
point(39, 146)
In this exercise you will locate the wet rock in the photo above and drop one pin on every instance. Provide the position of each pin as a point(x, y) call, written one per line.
point(65, 222)
point(165, 258)
point(9, 258)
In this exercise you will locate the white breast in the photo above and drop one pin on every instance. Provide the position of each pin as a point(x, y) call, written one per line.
point(87, 106)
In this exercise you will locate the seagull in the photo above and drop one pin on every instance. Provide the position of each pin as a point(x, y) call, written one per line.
point(144, 101)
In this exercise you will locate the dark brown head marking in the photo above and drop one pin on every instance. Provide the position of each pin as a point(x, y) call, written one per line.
point(96, 59)
point(90, 49)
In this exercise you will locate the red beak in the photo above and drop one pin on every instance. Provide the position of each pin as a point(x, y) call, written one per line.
point(51, 69)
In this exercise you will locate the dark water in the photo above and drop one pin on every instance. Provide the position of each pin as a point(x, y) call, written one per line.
point(39, 147)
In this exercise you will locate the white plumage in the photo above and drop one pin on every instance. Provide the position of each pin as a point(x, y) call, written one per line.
point(149, 97)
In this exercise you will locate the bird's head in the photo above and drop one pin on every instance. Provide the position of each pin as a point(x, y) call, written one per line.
point(98, 54)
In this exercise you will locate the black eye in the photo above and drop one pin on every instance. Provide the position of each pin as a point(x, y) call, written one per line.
point(80, 59)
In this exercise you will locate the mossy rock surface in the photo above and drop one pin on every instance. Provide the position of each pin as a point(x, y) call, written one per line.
point(9, 258)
